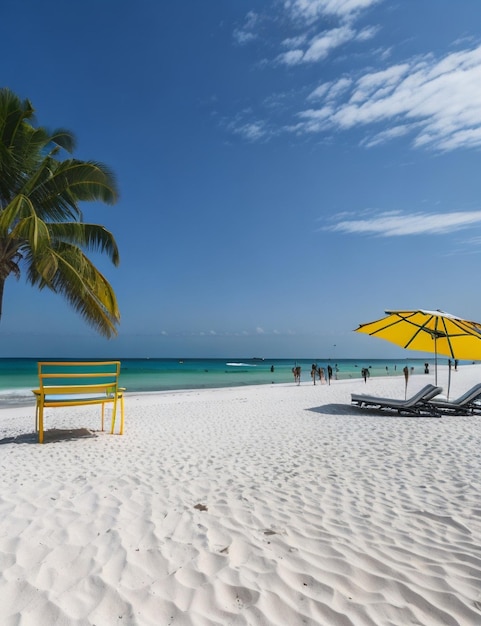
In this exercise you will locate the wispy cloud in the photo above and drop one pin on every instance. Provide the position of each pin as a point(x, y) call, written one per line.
point(397, 224)
point(310, 42)
point(248, 31)
point(436, 99)
point(252, 131)
point(311, 10)
point(318, 47)
point(331, 90)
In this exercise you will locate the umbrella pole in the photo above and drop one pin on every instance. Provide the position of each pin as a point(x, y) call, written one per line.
point(449, 378)
point(435, 361)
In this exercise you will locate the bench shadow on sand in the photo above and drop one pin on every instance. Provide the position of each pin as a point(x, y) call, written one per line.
point(51, 436)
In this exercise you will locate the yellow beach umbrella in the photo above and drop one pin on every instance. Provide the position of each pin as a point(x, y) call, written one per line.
point(429, 331)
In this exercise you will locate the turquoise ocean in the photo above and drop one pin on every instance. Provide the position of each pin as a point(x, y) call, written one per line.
point(19, 376)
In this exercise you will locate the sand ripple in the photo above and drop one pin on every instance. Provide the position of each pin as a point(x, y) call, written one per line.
point(243, 507)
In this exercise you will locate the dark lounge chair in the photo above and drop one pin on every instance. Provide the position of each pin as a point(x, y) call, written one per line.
point(416, 405)
point(467, 404)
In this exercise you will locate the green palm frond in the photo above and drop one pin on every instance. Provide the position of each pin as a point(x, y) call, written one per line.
point(89, 236)
point(41, 227)
point(88, 180)
point(64, 139)
point(18, 209)
point(86, 290)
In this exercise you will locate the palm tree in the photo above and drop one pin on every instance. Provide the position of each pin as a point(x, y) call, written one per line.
point(42, 234)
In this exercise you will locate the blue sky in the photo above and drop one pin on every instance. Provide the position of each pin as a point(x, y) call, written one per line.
point(288, 169)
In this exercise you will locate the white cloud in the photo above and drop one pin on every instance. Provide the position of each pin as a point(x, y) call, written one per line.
point(307, 44)
point(440, 99)
point(396, 224)
point(377, 84)
point(247, 32)
point(293, 57)
point(367, 33)
point(294, 42)
point(436, 101)
point(320, 91)
point(318, 47)
point(321, 45)
point(252, 131)
point(311, 10)
point(386, 135)
point(330, 90)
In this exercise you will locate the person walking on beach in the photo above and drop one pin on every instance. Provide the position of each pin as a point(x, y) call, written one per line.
point(314, 372)
point(297, 374)
point(365, 373)
point(329, 373)
point(322, 376)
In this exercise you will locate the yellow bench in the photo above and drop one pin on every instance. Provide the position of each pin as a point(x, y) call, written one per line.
point(77, 383)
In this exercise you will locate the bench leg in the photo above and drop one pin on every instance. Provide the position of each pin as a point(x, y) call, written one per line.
point(114, 415)
point(121, 414)
point(40, 423)
point(119, 398)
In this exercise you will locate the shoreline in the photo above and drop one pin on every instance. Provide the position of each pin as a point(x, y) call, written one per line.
point(144, 376)
point(255, 505)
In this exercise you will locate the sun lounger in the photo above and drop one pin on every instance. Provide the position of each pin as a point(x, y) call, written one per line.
point(416, 405)
point(467, 404)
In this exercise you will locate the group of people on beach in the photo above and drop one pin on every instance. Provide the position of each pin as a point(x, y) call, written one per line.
point(315, 372)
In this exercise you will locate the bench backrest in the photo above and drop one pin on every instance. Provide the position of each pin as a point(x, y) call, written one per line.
point(78, 376)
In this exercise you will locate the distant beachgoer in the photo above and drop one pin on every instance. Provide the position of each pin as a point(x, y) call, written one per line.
point(365, 373)
point(297, 374)
point(314, 372)
point(426, 368)
point(455, 365)
point(272, 368)
point(322, 376)
point(329, 373)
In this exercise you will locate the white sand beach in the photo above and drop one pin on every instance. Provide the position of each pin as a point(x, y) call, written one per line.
point(276, 505)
